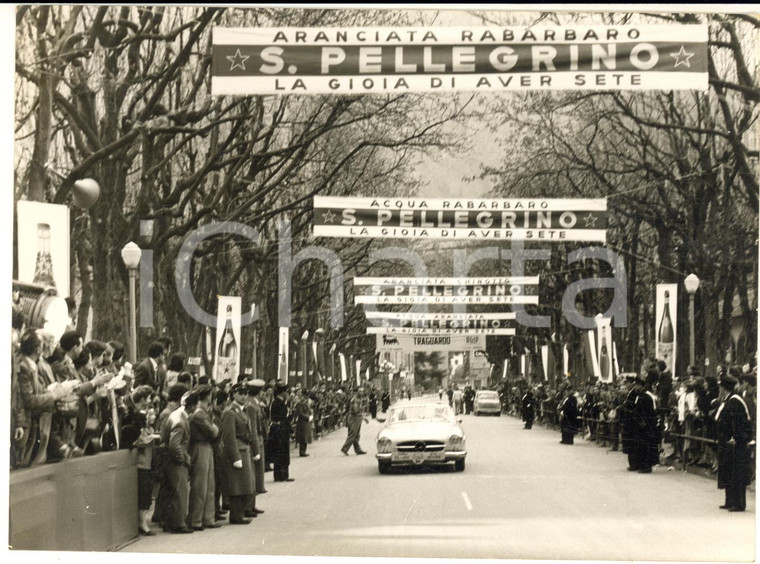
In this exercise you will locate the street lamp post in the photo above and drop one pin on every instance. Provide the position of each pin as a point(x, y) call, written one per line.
point(692, 284)
point(130, 254)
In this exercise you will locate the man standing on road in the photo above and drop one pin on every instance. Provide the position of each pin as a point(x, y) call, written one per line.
point(647, 428)
point(458, 397)
point(354, 420)
point(235, 462)
point(734, 435)
point(569, 422)
point(627, 424)
point(279, 434)
point(528, 409)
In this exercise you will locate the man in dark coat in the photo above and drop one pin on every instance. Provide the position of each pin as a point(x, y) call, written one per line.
point(627, 424)
point(235, 460)
point(647, 427)
point(279, 434)
point(373, 403)
point(569, 416)
point(528, 408)
point(146, 372)
point(385, 400)
point(734, 435)
point(469, 400)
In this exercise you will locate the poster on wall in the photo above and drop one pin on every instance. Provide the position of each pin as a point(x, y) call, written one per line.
point(44, 237)
point(227, 347)
point(666, 323)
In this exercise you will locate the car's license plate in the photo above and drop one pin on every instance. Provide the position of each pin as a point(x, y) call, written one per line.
point(419, 457)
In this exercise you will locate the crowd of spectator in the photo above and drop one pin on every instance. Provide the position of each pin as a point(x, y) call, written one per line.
point(686, 409)
point(72, 398)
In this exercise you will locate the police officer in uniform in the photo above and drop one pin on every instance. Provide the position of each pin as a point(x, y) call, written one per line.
point(627, 425)
point(235, 462)
point(734, 435)
point(279, 434)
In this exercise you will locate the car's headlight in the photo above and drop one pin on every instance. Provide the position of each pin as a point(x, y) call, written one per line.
point(384, 445)
point(455, 442)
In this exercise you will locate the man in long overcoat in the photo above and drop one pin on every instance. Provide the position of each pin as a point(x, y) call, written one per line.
point(235, 460)
point(734, 457)
point(569, 416)
point(279, 434)
point(647, 427)
point(528, 408)
point(627, 423)
point(203, 433)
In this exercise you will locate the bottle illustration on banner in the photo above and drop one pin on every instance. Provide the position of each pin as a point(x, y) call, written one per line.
point(665, 335)
point(43, 270)
point(227, 353)
point(604, 360)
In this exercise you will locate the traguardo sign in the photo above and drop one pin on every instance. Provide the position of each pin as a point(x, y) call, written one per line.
point(360, 60)
point(430, 343)
point(536, 219)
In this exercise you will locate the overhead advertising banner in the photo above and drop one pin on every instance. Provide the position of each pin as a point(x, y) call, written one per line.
point(443, 290)
point(666, 322)
point(430, 343)
point(362, 60)
point(540, 219)
point(227, 349)
point(380, 319)
point(439, 331)
point(43, 245)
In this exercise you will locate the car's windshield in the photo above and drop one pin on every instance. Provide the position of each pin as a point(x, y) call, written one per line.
point(421, 413)
point(488, 395)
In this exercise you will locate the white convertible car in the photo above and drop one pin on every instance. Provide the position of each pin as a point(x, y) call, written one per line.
point(421, 434)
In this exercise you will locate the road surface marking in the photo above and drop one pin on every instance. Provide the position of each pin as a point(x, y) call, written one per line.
point(467, 503)
point(412, 507)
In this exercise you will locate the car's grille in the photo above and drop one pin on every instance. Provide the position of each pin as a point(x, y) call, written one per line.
point(420, 446)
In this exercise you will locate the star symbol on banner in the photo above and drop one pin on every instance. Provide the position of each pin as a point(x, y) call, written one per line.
point(590, 220)
point(238, 60)
point(682, 57)
point(328, 216)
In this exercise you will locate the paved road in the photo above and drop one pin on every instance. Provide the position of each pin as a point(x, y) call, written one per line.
point(522, 496)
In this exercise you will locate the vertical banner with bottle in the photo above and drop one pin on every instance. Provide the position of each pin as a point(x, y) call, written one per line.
point(590, 352)
point(227, 349)
point(343, 371)
point(666, 320)
point(283, 348)
point(43, 245)
point(565, 361)
point(604, 349)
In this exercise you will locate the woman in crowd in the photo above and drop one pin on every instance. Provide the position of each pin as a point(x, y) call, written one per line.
point(138, 432)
